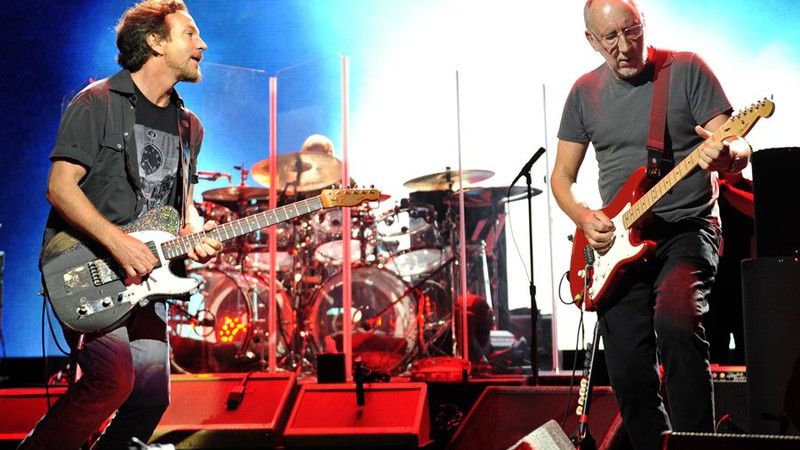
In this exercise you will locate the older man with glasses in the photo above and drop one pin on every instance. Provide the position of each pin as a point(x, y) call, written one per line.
point(652, 315)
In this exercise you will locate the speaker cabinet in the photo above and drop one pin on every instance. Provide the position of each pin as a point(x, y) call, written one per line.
point(504, 415)
point(775, 193)
point(709, 441)
point(199, 415)
point(21, 410)
point(771, 306)
point(394, 415)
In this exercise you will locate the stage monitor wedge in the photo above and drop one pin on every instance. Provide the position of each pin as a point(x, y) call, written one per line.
point(199, 415)
point(394, 416)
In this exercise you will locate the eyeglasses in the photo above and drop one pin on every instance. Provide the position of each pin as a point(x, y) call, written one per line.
point(610, 41)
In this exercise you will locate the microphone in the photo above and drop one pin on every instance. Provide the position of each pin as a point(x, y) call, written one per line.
point(527, 167)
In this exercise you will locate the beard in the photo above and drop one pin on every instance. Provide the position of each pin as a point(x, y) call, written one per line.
point(189, 71)
point(190, 74)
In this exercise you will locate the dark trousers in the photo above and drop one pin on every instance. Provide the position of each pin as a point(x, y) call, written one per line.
point(654, 317)
point(125, 370)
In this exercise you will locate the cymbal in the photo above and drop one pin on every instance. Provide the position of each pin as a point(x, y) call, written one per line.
point(306, 171)
point(474, 197)
point(447, 180)
point(519, 193)
point(236, 194)
point(482, 197)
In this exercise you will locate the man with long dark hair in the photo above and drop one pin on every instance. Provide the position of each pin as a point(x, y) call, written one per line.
point(126, 145)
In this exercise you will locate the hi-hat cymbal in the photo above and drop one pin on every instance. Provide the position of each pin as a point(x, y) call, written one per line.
point(447, 180)
point(518, 193)
point(306, 171)
point(235, 194)
point(482, 197)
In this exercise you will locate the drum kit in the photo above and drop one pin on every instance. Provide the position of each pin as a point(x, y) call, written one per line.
point(403, 274)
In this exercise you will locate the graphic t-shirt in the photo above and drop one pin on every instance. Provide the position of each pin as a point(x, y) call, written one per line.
point(158, 146)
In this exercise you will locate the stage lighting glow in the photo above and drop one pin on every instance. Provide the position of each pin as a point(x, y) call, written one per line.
point(231, 328)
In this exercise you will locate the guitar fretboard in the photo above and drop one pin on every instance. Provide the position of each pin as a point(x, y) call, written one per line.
point(179, 247)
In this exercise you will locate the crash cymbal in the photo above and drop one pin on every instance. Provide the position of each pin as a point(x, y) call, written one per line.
point(447, 180)
point(234, 194)
point(306, 171)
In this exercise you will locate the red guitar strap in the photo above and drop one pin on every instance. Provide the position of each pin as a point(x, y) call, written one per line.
point(662, 60)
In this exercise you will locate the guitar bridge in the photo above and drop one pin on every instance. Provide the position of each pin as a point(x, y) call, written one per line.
point(101, 272)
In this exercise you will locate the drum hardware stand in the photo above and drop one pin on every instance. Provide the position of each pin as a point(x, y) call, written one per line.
point(213, 176)
point(487, 287)
point(455, 284)
point(299, 350)
point(258, 333)
point(364, 221)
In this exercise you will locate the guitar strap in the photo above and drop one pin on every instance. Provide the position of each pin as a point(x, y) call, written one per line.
point(662, 63)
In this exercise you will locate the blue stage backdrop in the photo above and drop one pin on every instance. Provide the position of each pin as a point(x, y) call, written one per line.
point(53, 48)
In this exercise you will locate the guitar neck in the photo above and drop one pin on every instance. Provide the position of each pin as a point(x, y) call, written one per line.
point(179, 247)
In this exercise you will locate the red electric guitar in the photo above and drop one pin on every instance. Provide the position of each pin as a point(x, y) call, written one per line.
point(598, 274)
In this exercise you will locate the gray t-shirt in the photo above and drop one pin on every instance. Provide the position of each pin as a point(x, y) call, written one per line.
point(614, 115)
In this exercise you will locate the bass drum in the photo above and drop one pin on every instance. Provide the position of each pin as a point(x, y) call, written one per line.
point(222, 328)
point(384, 318)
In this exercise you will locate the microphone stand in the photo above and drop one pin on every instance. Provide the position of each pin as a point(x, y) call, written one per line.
point(532, 290)
point(526, 172)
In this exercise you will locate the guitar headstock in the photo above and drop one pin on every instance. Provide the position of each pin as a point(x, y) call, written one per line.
point(741, 123)
point(348, 197)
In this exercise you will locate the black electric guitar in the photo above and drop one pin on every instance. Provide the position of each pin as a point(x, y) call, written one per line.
point(86, 286)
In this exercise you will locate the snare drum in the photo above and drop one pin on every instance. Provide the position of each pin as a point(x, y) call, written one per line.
point(326, 229)
point(411, 238)
point(384, 317)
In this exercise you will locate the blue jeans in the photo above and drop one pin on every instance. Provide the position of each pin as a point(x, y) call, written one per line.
point(654, 316)
point(125, 370)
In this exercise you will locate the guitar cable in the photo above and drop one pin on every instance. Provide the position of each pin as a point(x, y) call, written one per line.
point(565, 276)
point(46, 319)
point(52, 331)
point(578, 337)
point(581, 335)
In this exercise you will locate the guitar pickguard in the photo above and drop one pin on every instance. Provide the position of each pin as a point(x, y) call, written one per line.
point(621, 251)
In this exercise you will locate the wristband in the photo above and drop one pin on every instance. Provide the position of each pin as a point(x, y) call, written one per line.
point(734, 162)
